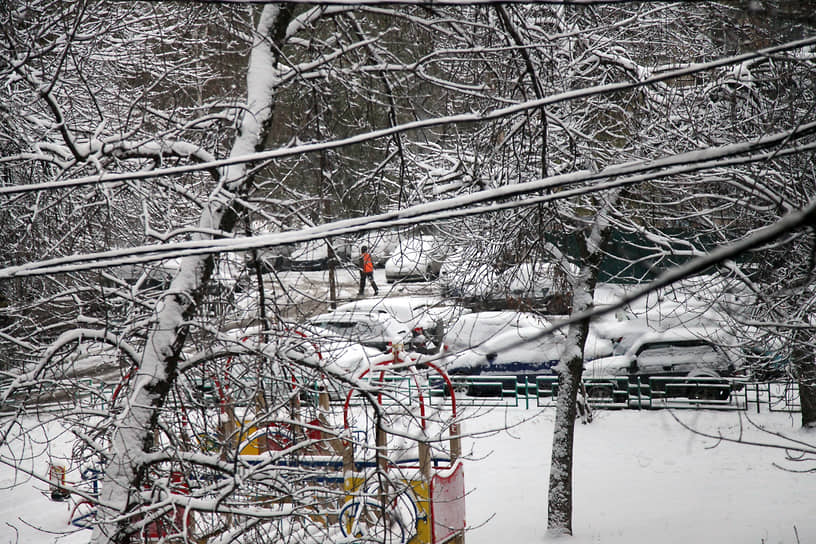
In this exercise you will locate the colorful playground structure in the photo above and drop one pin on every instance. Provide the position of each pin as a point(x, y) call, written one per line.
point(392, 466)
point(402, 491)
point(405, 498)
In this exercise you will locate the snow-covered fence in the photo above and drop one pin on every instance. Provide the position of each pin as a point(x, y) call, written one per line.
point(772, 396)
point(618, 392)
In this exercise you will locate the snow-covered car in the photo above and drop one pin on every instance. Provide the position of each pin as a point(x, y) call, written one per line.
point(426, 316)
point(515, 354)
point(374, 329)
point(273, 259)
point(309, 256)
point(147, 276)
point(513, 345)
point(678, 352)
point(334, 355)
point(414, 259)
point(475, 328)
point(462, 280)
point(305, 256)
point(312, 356)
point(335, 352)
point(535, 279)
point(463, 350)
point(620, 334)
point(465, 276)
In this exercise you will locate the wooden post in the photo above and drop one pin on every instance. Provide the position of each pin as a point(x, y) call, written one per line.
point(382, 464)
point(425, 461)
point(455, 443)
point(227, 432)
point(323, 400)
point(348, 458)
point(382, 454)
point(456, 454)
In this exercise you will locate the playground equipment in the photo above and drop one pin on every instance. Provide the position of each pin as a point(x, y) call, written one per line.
point(383, 463)
point(396, 496)
point(398, 488)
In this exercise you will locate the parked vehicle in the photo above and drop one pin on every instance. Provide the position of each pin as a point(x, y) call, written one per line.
point(374, 329)
point(273, 259)
point(620, 334)
point(510, 345)
point(465, 275)
point(468, 351)
point(414, 259)
point(309, 256)
point(305, 353)
point(334, 351)
point(679, 352)
point(467, 282)
point(518, 353)
point(427, 316)
point(147, 276)
point(535, 279)
point(475, 328)
point(304, 257)
point(531, 284)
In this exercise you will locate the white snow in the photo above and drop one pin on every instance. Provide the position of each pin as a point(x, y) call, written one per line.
point(639, 478)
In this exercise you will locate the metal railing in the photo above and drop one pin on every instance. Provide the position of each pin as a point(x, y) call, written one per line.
point(613, 392)
point(619, 392)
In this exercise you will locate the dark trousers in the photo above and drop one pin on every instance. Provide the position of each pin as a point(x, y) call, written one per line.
point(370, 276)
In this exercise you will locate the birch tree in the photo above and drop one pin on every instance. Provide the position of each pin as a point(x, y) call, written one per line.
point(132, 440)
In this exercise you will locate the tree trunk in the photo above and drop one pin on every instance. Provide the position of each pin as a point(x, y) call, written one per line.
point(804, 370)
point(807, 396)
point(134, 430)
point(559, 515)
point(570, 371)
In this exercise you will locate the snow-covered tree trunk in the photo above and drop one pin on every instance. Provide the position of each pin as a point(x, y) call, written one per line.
point(569, 371)
point(133, 436)
point(559, 516)
point(804, 370)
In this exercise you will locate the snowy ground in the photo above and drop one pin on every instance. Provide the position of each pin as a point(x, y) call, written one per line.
point(640, 478)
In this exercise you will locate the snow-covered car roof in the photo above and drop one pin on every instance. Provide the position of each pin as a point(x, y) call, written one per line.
point(533, 276)
point(523, 349)
point(475, 328)
point(513, 345)
point(700, 346)
point(415, 255)
point(373, 328)
point(462, 280)
point(352, 315)
point(337, 352)
point(678, 334)
point(308, 343)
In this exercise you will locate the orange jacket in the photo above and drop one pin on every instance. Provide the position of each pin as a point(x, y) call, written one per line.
point(368, 264)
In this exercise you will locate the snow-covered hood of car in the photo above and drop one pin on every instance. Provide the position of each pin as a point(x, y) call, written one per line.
point(607, 365)
point(467, 359)
point(408, 262)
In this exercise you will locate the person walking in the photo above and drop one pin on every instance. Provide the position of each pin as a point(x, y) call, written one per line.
point(366, 271)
